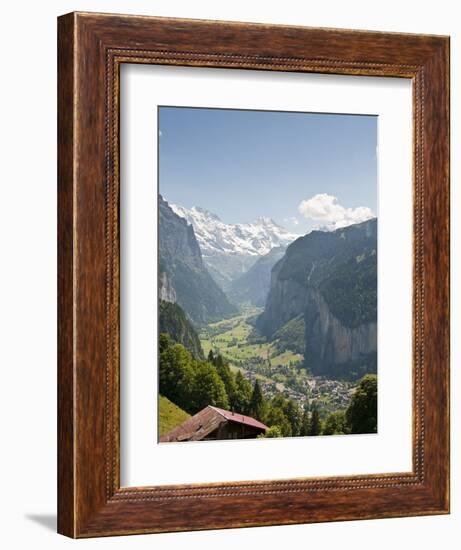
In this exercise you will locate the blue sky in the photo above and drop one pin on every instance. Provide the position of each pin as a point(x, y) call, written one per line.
point(304, 170)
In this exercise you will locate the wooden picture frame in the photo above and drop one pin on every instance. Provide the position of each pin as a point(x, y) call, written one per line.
point(92, 47)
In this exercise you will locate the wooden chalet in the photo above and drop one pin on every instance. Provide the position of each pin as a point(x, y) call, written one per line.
point(212, 423)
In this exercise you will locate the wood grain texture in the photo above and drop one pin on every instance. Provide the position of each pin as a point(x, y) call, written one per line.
point(66, 471)
point(91, 49)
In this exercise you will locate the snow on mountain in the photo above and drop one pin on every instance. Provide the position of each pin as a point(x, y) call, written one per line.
point(250, 239)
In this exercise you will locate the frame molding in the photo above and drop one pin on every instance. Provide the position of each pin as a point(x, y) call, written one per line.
point(91, 48)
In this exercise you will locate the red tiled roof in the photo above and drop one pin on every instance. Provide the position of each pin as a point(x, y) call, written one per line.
point(240, 418)
point(205, 421)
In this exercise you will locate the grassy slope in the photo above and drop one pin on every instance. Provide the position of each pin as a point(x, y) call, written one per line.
point(169, 415)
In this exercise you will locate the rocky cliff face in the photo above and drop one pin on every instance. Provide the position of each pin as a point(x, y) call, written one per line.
point(177, 239)
point(166, 291)
point(183, 277)
point(331, 346)
point(330, 279)
point(287, 298)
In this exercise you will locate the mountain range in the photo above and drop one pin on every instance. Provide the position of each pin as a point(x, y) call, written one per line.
point(229, 250)
point(325, 289)
point(319, 291)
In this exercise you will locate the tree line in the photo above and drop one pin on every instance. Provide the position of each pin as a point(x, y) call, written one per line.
point(192, 384)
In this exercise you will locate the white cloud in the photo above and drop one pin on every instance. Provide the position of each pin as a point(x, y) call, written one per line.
point(325, 209)
point(160, 133)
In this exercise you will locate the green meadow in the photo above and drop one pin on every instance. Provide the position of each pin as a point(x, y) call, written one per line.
point(236, 340)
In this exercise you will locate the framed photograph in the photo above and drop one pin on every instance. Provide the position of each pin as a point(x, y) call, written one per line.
point(253, 275)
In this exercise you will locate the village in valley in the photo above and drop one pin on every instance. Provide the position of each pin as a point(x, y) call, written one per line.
point(276, 371)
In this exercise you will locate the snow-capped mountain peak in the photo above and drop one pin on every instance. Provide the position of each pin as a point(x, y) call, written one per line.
point(263, 220)
point(216, 237)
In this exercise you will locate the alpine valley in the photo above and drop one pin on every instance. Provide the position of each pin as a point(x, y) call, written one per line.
point(294, 315)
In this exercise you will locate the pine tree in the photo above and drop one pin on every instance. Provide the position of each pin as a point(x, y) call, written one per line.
point(363, 410)
point(227, 376)
point(315, 426)
point(243, 394)
point(305, 423)
point(219, 361)
point(293, 414)
point(335, 424)
point(257, 402)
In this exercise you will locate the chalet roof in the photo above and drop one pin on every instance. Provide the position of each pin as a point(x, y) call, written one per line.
point(240, 418)
point(206, 421)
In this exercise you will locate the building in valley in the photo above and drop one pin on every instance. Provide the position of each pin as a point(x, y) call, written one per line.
point(212, 423)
